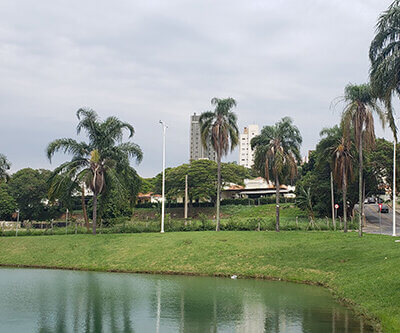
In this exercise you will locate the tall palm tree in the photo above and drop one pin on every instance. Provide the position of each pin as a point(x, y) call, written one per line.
point(5, 165)
point(103, 159)
point(385, 69)
point(342, 170)
point(360, 103)
point(219, 127)
point(385, 60)
point(277, 152)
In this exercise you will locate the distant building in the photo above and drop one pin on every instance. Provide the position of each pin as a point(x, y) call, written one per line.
point(256, 188)
point(246, 154)
point(197, 150)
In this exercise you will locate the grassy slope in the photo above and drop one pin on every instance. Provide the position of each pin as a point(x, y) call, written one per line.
point(238, 211)
point(354, 268)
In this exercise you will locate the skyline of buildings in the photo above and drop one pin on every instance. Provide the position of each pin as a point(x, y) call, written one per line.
point(197, 150)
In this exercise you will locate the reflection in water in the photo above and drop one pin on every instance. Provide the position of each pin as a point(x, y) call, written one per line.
point(65, 301)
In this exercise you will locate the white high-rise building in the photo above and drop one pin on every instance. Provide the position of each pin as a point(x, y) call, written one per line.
point(197, 150)
point(246, 154)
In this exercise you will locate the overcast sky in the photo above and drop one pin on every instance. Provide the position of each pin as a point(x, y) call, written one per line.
point(143, 61)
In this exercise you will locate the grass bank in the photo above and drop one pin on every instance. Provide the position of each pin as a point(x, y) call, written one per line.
point(365, 271)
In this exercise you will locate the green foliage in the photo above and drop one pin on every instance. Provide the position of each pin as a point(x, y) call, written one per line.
point(148, 185)
point(315, 174)
point(4, 168)
point(277, 151)
point(115, 203)
point(29, 188)
point(7, 203)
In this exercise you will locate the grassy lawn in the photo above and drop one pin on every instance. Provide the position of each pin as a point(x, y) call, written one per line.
point(363, 271)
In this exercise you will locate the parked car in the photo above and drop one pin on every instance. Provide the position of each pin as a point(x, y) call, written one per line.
point(371, 200)
point(384, 209)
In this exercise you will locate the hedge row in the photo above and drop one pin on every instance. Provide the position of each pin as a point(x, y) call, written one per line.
point(241, 201)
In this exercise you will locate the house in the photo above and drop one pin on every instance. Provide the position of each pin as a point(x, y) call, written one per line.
point(256, 188)
point(148, 198)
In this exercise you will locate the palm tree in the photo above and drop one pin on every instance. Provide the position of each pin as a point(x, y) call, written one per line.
point(385, 60)
point(385, 68)
point(357, 115)
point(103, 159)
point(277, 152)
point(219, 127)
point(342, 170)
point(5, 165)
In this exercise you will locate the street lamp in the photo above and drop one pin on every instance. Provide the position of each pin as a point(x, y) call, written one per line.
point(394, 187)
point(16, 228)
point(164, 127)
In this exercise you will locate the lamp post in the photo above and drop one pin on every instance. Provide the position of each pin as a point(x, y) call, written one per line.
point(394, 187)
point(16, 229)
point(66, 221)
point(164, 127)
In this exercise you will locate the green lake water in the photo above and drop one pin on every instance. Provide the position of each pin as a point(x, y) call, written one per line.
point(36, 300)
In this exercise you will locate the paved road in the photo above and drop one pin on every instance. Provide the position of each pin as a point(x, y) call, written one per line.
point(372, 217)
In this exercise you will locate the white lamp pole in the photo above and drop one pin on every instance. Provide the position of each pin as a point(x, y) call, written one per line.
point(163, 178)
point(394, 187)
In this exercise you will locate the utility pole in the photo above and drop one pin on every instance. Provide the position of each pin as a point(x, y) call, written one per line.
point(333, 203)
point(186, 198)
point(163, 178)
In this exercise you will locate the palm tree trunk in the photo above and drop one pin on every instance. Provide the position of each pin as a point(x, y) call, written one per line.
point(218, 186)
point(85, 216)
point(344, 190)
point(277, 202)
point(360, 186)
point(94, 212)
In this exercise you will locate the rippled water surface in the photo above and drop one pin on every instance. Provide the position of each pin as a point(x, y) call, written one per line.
point(33, 300)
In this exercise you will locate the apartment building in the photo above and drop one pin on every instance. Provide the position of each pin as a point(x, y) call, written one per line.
point(197, 150)
point(246, 154)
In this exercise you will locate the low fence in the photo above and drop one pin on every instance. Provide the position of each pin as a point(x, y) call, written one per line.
point(9, 225)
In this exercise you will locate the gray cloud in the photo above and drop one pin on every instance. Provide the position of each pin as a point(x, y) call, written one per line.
point(148, 60)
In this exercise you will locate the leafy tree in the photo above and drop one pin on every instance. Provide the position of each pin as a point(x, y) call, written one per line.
point(148, 185)
point(277, 152)
point(220, 126)
point(380, 162)
point(29, 188)
point(7, 203)
point(4, 167)
point(104, 159)
point(357, 117)
point(202, 180)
